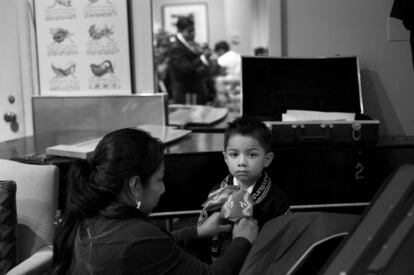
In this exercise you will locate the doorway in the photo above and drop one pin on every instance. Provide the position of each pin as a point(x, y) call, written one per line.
point(12, 124)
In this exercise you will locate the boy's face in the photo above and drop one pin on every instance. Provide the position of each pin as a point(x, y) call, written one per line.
point(246, 158)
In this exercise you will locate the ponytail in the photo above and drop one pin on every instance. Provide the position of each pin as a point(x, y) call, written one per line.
point(66, 231)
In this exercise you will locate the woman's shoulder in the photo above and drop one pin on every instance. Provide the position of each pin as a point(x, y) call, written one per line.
point(134, 228)
point(144, 228)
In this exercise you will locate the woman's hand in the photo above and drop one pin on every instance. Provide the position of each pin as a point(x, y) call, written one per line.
point(212, 226)
point(246, 228)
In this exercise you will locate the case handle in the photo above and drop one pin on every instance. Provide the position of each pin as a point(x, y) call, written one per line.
point(324, 137)
point(356, 131)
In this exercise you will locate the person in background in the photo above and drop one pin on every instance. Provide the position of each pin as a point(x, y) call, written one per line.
point(189, 66)
point(247, 152)
point(161, 59)
point(261, 51)
point(105, 229)
point(228, 59)
point(404, 11)
point(227, 81)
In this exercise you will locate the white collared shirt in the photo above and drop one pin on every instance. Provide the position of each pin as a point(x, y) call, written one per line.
point(236, 183)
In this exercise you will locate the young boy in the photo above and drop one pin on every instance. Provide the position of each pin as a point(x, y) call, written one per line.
point(247, 152)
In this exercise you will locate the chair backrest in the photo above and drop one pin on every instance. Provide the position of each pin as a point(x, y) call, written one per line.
point(8, 223)
point(36, 203)
point(383, 240)
point(285, 243)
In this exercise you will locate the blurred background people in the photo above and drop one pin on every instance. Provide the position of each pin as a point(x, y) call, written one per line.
point(161, 60)
point(189, 66)
point(228, 59)
point(227, 83)
point(261, 51)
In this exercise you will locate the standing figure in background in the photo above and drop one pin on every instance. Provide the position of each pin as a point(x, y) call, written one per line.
point(188, 66)
point(404, 10)
point(161, 60)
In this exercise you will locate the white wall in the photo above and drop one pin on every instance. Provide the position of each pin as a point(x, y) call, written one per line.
point(246, 24)
point(140, 16)
point(355, 27)
point(28, 60)
point(260, 37)
point(239, 23)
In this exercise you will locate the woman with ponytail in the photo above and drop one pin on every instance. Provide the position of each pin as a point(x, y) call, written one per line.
point(105, 229)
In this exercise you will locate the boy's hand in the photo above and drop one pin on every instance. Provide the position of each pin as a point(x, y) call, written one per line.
point(212, 226)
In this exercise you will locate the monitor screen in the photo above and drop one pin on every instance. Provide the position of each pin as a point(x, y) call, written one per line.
point(272, 85)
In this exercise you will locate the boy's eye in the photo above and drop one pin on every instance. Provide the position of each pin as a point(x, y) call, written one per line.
point(252, 155)
point(233, 155)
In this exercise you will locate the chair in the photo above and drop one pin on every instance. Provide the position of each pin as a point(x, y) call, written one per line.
point(285, 243)
point(36, 205)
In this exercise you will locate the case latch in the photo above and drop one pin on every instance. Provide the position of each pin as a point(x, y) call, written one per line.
point(356, 131)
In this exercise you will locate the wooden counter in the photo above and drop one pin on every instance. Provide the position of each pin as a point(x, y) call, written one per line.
point(309, 175)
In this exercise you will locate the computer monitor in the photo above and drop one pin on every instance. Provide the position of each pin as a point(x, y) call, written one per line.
point(101, 112)
point(272, 85)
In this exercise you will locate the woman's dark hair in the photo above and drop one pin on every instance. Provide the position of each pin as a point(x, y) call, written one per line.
point(249, 126)
point(94, 185)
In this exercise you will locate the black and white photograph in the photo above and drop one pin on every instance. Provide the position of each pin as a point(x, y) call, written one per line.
point(185, 137)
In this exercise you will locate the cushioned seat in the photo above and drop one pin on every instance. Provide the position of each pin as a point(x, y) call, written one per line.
point(8, 223)
point(36, 204)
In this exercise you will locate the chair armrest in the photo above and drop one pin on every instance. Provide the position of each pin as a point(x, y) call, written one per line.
point(39, 263)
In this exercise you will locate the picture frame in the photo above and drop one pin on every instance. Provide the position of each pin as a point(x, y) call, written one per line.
point(83, 47)
point(199, 11)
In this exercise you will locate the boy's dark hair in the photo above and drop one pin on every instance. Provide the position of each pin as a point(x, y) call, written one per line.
point(249, 126)
point(184, 22)
point(222, 45)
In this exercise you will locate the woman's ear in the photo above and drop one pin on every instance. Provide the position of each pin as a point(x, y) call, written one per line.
point(268, 158)
point(224, 156)
point(135, 185)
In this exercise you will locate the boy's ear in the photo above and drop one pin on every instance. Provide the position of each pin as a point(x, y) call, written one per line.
point(268, 158)
point(135, 185)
